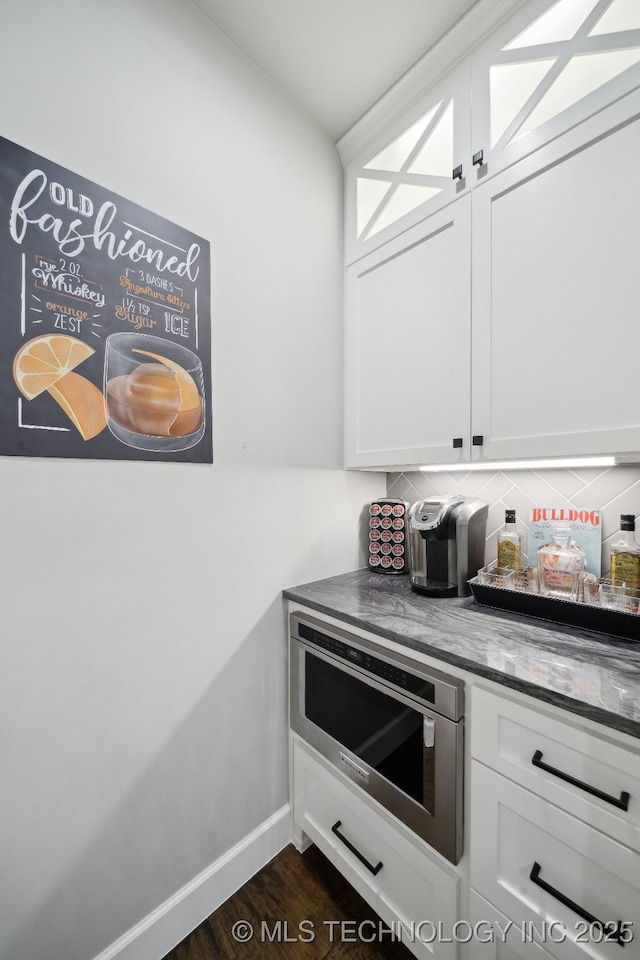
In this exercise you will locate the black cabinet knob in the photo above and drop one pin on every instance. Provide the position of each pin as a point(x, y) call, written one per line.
point(477, 440)
point(478, 158)
point(457, 442)
point(457, 173)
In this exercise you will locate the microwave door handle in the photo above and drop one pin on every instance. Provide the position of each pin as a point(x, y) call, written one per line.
point(429, 731)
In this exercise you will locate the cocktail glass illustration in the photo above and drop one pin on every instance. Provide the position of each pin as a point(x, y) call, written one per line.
point(154, 392)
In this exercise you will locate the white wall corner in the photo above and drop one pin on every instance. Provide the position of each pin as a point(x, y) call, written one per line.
point(162, 929)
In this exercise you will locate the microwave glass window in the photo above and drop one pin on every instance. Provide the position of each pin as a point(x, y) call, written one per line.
point(383, 732)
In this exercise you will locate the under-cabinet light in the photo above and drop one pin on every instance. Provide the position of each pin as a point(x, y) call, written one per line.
point(494, 465)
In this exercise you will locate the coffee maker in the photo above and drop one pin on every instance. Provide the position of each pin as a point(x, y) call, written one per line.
point(446, 544)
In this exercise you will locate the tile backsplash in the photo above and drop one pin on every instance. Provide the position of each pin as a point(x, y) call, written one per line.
point(614, 490)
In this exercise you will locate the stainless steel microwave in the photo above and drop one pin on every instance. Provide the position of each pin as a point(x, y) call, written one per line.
point(392, 726)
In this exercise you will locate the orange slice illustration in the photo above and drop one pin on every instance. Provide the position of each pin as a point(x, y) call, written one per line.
point(82, 402)
point(46, 363)
point(43, 360)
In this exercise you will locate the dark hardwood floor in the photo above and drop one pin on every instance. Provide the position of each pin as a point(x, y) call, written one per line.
point(298, 906)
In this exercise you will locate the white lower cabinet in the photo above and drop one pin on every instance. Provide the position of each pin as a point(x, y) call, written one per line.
point(584, 771)
point(555, 830)
point(551, 869)
point(536, 863)
point(415, 894)
point(494, 937)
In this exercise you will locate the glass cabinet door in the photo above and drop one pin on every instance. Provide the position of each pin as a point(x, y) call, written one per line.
point(545, 70)
point(407, 172)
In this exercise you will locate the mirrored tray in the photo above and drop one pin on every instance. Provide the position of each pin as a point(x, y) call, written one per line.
point(585, 616)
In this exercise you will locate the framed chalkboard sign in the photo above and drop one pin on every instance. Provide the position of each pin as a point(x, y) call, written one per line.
point(105, 320)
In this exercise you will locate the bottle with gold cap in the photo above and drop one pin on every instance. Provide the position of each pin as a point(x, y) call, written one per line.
point(509, 543)
point(625, 554)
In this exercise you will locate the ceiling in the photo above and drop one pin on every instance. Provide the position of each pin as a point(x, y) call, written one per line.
point(334, 58)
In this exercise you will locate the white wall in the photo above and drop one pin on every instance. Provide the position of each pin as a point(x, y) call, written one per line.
point(142, 691)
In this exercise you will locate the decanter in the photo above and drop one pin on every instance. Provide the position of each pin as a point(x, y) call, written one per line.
point(560, 564)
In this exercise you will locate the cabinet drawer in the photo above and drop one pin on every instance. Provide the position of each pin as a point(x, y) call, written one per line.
point(512, 830)
point(506, 736)
point(408, 887)
point(497, 938)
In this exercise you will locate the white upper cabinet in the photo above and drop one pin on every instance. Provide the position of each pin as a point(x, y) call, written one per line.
point(500, 309)
point(406, 172)
point(556, 288)
point(549, 67)
point(407, 345)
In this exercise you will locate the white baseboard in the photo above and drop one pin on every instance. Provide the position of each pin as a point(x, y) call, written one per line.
point(168, 924)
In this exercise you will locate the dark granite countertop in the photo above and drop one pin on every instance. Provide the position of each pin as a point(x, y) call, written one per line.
point(589, 674)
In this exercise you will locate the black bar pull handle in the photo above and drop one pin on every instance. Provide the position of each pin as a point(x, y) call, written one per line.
point(336, 829)
point(534, 876)
point(622, 803)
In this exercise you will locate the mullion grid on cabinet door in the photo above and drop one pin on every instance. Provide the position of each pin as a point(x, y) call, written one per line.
point(405, 175)
point(516, 84)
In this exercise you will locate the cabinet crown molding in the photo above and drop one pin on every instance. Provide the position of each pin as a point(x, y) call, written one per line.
point(457, 43)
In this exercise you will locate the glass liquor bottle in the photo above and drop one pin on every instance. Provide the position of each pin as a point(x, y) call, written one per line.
point(509, 543)
point(625, 555)
point(560, 564)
